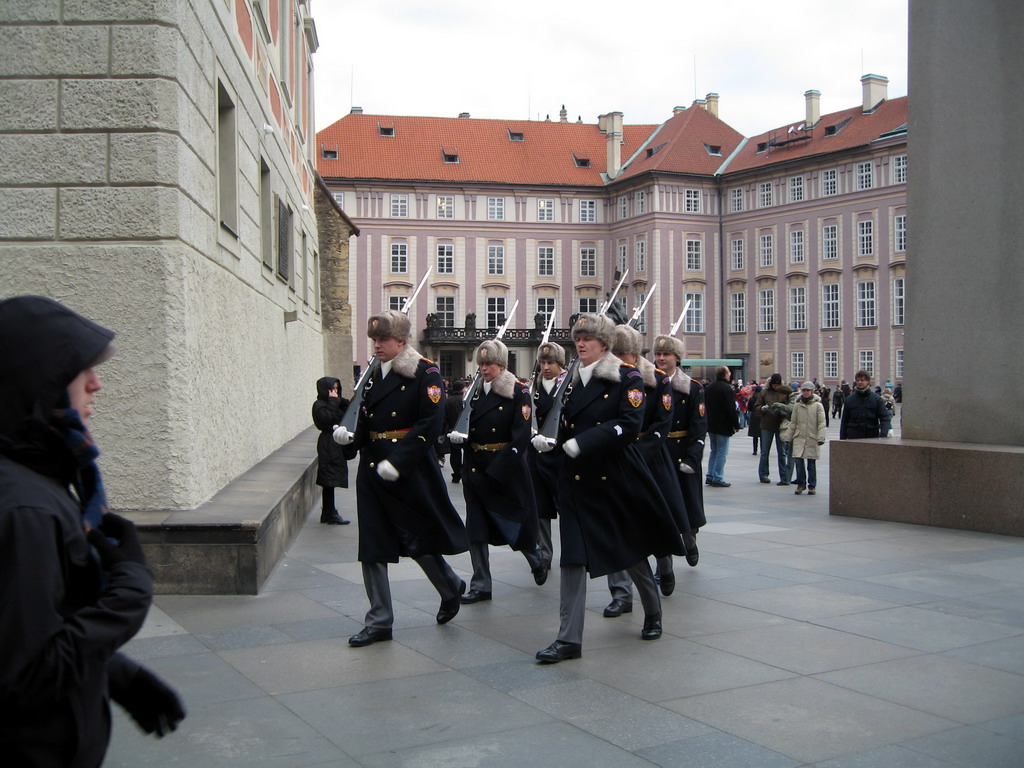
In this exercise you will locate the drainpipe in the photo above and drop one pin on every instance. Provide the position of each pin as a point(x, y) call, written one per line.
point(723, 290)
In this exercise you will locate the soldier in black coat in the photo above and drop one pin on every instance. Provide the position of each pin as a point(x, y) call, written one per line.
point(611, 513)
point(544, 467)
point(402, 501)
point(500, 506)
point(685, 441)
point(332, 463)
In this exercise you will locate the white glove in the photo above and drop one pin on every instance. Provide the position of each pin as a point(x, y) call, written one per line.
point(542, 444)
point(457, 438)
point(685, 468)
point(571, 448)
point(387, 471)
point(342, 436)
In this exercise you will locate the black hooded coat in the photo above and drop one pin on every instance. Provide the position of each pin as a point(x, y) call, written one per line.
point(60, 627)
point(332, 458)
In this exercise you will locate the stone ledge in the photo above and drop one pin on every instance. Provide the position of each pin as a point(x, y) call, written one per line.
point(965, 486)
point(230, 544)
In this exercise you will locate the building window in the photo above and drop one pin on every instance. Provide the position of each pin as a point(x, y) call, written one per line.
point(798, 308)
point(693, 201)
point(588, 262)
point(865, 238)
point(495, 259)
point(588, 210)
point(767, 250)
point(694, 255)
point(445, 207)
point(399, 206)
point(866, 360)
point(766, 310)
point(546, 261)
point(830, 305)
point(444, 308)
point(339, 198)
point(623, 258)
point(829, 182)
point(227, 161)
point(399, 258)
point(899, 364)
point(737, 312)
point(831, 366)
point(900, 239)
point(796, 246)
point(866, 304)
point(641, 321)
point(865, 176)
point(736, 199)
point(640, 255)
point(546, 210)
point(640, 201)
point(587, 304)
point(695, 316)
point(546, 306)
point(496, 208)
point(765, 195)
point(899, 301)
point(899, 169)
point(445, 259)
point(495, 311)
point(830, 242)
point(796, 189)
point(284, 241)
point(396, 303)
point(796, 366)
point(737, 253)
point(267, 216)
point(623, 207)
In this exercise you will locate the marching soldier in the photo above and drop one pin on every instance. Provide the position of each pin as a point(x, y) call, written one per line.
point(500, 506)
point(685, 444)
point(611, 514)
point(652, 444)
point(401, 498)
point(544, 466)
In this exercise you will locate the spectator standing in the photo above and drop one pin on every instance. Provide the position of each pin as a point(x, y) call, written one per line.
point(754, 418)
point(825, 394)
point(837, 402)
point(805, 432)
point(864, 412)
point(332, 463)
point(771, 421)
point(723, 423)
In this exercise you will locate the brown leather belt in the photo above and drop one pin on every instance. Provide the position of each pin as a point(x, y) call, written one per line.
point(393, 434)
point(680, 433)
point(490, 447)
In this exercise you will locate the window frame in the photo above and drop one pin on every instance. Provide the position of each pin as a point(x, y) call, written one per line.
point(445, 207)
point(829, 182)
point(829, 243)
point(865, 175)
point(545, 261)
point(736, 200)
point(640, 254)
point(588, 211)
point(766, 310)
point(738, 312)
point(694, 322)
point(899, 169)
point(445, 316)
point(796, 189)
point(765, 194)
point(495, 259)
point(694, 255)
point(865, 238)
point(830, 364)
point(588, 261)
point(899, 301)
point(798, 365)
point(399, 258)
point(399, 205)
point(766, 250)
point(866, 298)
point(692, 200)
point(446, 259)
point(797, 246)
point(545, 209)
point(496, 209)
point(797, 314)
point(831, 306)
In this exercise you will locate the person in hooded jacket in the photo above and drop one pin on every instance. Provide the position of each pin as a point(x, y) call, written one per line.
point(74, 584)
point(332, 459)
point(805, 432)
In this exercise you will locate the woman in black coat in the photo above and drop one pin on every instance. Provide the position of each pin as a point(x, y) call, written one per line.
point(754, 414)
point(332, 468)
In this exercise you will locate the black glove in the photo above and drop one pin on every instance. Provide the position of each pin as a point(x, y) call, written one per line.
point(127, 549)
point(151, 702)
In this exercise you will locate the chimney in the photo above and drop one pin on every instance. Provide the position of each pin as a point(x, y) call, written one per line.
point(812, 100)
point(677, 110)
point(563, 116)
point(356, 111)
point(876, 89)
point(699, 103)
point(463, 114)
point(613, 142)
point(712, 100)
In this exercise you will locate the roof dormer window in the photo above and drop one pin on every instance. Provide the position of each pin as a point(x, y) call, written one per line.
point(515, 135)
point(581, 162)
point(713, 149)
point(450, 155)
point(386, 130)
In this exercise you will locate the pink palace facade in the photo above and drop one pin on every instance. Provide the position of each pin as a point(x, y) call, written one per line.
point(791, 245)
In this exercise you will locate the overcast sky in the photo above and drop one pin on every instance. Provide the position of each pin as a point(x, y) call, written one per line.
point(524, 59)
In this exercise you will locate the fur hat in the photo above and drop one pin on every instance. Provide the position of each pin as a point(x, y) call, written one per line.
point(389, 324)
point(551, 351)
point(628, 341)
point(492, 352)
point(600, 327)
point(670, 344)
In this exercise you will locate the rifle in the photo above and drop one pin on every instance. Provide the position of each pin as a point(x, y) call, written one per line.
point(549, 429)
point(679, 320)
point(351, 417)
point(462, 425)
point(634, 321)
point(536, 368)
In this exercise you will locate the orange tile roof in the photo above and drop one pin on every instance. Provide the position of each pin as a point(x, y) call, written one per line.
point(854, 129)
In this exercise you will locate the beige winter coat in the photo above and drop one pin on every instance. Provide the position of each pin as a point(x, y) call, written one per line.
point(805, 428)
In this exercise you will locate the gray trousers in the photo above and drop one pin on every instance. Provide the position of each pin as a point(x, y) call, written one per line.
point(544, 545)
point(378, 589)
point(621, 585)
point(573, 595)
point(480, 554)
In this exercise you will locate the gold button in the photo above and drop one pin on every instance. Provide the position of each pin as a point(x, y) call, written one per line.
point(372, 465)
point(572, 426)
point(473, 469)
point(393, 414)
point(605, 395)
point(598, 424)
point(493, 429)
point(577, 477)
point(394, 439)
point(501, 407)
point(604, 478)
point(402, 388)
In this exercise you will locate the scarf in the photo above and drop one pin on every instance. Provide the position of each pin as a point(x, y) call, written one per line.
point(88, 483)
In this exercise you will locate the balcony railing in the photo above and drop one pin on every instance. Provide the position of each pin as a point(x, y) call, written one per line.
point(438, 333)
